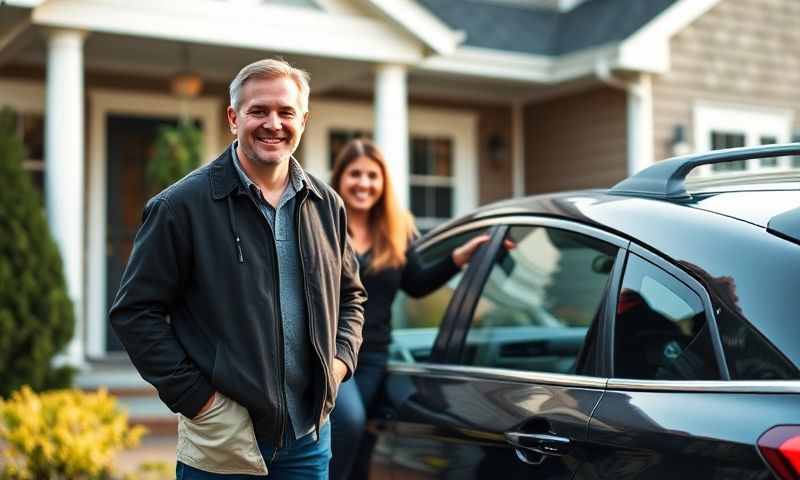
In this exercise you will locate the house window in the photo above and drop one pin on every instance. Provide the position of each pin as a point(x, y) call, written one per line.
point(721, 140)
point(770, 162)
point(431, 181)
point(720, 126)
point(338, 138)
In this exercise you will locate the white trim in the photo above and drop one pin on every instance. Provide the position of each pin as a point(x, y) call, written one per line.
point(23, 3)
point(648, 49)
point(518, 147)
point(459, 125)
point(543, 69)
point(753, 121)
point(265, 27)
point(640, 124)
point(103, 102)
point(420, 22)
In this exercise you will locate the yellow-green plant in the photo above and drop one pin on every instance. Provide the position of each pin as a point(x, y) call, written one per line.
point(62, 435)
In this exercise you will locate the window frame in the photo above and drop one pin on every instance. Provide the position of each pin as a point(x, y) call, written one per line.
point(753, 122)
point(693, 285)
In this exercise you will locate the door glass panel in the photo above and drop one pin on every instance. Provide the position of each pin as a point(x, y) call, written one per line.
point(660, 331)
point(539, 301)
point(416, 321)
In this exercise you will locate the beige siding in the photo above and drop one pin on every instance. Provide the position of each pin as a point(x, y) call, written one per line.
point(742, 52)
point(575, 142)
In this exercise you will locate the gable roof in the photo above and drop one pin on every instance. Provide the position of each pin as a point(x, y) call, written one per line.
point(542, 31)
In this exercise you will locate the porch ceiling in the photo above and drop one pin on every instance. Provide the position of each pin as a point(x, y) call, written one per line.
point(137, 56)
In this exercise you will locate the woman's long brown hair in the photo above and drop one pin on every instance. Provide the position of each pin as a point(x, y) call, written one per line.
point(390, 226)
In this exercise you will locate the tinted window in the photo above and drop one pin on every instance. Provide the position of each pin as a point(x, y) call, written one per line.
point(416, 321)
point(539, 300)
point(660, 331)
point(748, 354)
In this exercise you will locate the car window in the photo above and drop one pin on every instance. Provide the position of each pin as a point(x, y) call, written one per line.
point(416, 321)
point(539, 300)
point(661, 330)
point(748, 354)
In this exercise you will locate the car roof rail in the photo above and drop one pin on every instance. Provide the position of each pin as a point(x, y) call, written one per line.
point(666, 179)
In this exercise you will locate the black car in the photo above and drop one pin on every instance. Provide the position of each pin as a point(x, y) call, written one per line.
point(644, 331)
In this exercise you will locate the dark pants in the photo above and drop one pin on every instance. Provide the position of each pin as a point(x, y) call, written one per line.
point(350, 443)
point(302, 459)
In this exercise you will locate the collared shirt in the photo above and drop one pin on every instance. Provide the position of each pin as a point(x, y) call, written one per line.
point(296, 345)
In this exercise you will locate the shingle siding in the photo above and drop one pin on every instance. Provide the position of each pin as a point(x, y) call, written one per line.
point(742, 52)
point(576, 142)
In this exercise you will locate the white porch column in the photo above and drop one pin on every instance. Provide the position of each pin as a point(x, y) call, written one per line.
point(640, 124)
point(518, 148)
point(64, 159)
point(391, 125)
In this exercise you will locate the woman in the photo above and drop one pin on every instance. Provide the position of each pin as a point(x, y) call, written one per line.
point(380, 233)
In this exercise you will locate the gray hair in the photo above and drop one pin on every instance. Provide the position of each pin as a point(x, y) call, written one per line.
point(271, 68)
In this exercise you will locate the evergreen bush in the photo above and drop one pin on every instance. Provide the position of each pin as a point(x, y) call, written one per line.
point(36, 315)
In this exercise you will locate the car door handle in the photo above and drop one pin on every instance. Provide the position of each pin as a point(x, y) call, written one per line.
point(542, 443)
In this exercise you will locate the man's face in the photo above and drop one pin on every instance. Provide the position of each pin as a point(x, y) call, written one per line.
point(269, 121)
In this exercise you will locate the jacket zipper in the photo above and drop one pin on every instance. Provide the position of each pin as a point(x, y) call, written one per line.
point(282, 402)
point(310, 319)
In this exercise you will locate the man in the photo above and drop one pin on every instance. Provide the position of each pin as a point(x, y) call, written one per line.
point(241, 301)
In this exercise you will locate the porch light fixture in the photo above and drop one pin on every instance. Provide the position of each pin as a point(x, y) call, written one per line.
point(186, 83)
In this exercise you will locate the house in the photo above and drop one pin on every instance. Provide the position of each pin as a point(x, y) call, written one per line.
point(472, 100)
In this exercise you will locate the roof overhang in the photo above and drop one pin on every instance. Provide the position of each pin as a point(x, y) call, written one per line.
point(268, 27)
point(646, 51)
point(419, 22)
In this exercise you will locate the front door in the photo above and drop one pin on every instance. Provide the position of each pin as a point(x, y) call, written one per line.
point(130, 141)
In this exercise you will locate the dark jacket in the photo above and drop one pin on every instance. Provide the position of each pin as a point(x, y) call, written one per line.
point(414, 278)
point(197, 307)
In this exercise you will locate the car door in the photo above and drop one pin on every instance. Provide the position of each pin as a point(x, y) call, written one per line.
point(507, 391)
point(671, 409)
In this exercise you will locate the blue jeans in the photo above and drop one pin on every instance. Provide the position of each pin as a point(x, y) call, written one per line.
point(352, 445)
point(301, 459)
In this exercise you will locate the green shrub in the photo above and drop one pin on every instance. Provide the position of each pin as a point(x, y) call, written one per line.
point(36, 315)
point(62, 435)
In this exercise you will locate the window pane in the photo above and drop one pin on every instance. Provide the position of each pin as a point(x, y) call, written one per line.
point(660, 331)
point(442, 157)
point(749, 355)
point(721, 140)
point(770, 161)
point(415, 322)
point(421, 205)
point(338, 138)
point(539, 301)
point(420, 156)
point(443, 202)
